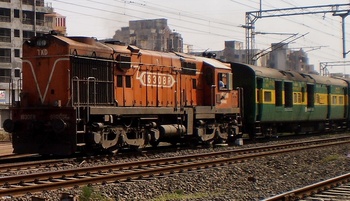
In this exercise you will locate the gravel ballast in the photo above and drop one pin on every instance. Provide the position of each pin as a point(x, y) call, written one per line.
point(250, 180)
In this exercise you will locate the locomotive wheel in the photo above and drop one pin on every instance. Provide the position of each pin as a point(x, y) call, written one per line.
point(154, 143)
point(208, 144)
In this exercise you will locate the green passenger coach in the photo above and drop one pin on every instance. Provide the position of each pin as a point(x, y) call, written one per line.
point(277, 101)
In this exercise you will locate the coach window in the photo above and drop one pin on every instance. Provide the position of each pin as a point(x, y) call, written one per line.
point(341, 100)
point(267, 96)
point(334, 100)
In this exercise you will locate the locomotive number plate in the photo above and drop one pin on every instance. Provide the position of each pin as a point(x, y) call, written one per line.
point(156, 79)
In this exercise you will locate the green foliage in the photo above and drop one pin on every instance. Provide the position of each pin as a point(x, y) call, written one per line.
point(181, 195)
point(331, 158)
point(89, 194)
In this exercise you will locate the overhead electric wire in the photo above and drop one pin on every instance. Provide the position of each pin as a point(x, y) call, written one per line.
point(137, 17)
point(211, 24)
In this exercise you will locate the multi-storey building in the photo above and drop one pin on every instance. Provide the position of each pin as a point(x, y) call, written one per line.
point(153, 34)
point(19, 20)
point(284, 58)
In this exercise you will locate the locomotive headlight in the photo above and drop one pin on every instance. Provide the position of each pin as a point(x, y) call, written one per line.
point(58, 125)
point(41, 42)
point(8, 125)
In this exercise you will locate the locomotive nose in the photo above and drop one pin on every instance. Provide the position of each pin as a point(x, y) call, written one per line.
point(8, 125)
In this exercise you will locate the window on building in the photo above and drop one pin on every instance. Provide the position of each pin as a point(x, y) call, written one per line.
point(5, 55)
point(27, 35)
point(5, 35)
point(40, 19)
point(28, 2)
point(17, 73)
point(5, 15)
point(17, 53)
point(5, 75)
point(39, 3)
point(17, 33)
point(16, 13)
point(7, 1)
point(28, 17)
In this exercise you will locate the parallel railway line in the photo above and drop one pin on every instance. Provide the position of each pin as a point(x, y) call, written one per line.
point(333, 189)
point(21, 184)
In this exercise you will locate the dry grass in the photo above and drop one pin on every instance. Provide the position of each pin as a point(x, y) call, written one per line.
point(4, 136)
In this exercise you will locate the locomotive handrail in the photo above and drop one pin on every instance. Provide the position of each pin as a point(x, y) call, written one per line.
point(212, 92)
point(241, 100)
point(76, 78)
point(88, 96)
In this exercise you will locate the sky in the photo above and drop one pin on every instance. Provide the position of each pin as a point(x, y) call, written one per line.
point(208, 24)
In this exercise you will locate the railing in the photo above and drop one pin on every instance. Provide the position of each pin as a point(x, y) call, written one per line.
point(40, 22)
point(28, 2)
point(5, 38)
point(5, 18)
point(40, 3)
point(28, 21)
point(5, 79)
point(5, 59)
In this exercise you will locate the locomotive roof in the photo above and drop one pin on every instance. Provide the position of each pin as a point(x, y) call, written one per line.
point(294, 76)
point(213, 62)
point(83, 41)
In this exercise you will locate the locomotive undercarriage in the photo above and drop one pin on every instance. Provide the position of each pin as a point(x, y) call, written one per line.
point(137, 132)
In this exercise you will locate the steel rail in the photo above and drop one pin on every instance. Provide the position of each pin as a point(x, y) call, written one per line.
point(312, 189)
point(18, 185)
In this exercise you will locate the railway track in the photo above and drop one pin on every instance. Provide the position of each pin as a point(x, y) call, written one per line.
point(10, 166)
point(21, 184)
point(337, 188)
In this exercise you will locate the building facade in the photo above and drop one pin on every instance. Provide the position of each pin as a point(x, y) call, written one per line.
point(284, 58)
point(19, 21)
point(153, 34)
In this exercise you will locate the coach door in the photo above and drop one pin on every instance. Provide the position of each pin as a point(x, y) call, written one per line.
point(329, 96)
point(259, 98)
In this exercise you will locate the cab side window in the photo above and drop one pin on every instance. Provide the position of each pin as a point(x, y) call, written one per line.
point(224, 81)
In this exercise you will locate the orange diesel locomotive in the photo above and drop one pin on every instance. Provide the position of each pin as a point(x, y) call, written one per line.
point(81, 93)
